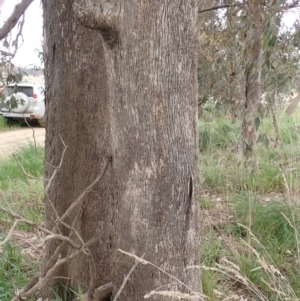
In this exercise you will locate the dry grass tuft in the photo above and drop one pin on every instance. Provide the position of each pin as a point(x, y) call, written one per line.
point(30, 243)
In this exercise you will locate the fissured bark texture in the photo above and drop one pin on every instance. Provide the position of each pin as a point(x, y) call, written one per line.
point(77, 113)
point(153, 109)
point(149, 125)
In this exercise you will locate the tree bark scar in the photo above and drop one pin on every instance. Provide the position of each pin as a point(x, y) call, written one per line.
point(189, 204)
point(190, 188)
point(53, 49)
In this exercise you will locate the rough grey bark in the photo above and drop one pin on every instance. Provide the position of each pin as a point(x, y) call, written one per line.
point(151, 63)
point(77, 111)
point(252, 76)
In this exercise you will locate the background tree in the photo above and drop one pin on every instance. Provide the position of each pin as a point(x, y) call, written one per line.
point(253, 54)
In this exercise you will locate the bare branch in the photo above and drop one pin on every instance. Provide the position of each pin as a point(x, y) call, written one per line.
point(295, 4)
point(53, 176)
point(101, 293)
point(14, 18)
point(78, 246)
point(282, 8)
point(42, 281)
point(51, 235)
point(217, 7)
point(5, 53)
point(24, 171)
point(9, 234)
point(87, 190)
point(33, 133)
point(53, 259)
point(126, 279)
point(145, 262)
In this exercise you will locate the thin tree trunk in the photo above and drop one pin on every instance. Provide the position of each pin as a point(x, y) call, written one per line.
point(252, 77)
point(77, 113)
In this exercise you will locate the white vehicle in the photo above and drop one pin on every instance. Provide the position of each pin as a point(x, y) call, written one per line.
point(29, 103)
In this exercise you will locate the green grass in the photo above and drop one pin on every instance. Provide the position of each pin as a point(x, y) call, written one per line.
point(254, 254)
point(30, 158)
point(268, 242)
point(24, 196)
point(250, 243)
point(22, 193)
point(4, 125)
point(223, 168)
point(15, 270)
point(218, 133)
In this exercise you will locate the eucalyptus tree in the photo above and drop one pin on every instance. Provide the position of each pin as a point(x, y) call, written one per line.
point(121, 174)
point(251, 56)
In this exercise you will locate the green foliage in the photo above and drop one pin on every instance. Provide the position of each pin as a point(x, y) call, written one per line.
point(210, 249)
point(259, 242)
point(290, 130)
point(206, 203)
point(14, 271)
point(68, 293)
point(11, 103)
point(3, 124)
point(209, 281)
point(218, 133)
point(23, 194)
point(225, 58)
point(270, 223)
point(213, 174)
point(223, 168)
point(252, 252)
point(30, 157)
point(8, 124)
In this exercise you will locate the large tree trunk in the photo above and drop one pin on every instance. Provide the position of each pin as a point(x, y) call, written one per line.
point(77, 113)
point(151, 59)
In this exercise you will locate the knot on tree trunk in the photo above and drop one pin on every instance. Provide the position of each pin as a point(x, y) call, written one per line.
point(102, 15)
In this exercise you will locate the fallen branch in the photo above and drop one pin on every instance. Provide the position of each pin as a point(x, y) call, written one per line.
point(38, 283)
point(100, 293)
point(50, 234)
point(192, 296)
point(87, 190)
point(73, 239)
point(126, 279)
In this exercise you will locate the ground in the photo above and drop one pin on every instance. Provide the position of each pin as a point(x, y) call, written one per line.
point(11, 140)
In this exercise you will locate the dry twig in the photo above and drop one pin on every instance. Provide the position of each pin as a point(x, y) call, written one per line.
point(73, 239)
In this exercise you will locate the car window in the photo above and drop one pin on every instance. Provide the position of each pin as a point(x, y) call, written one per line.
point(26, 90)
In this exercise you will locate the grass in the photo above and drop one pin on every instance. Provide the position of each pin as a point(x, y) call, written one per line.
point(18, 191)
point(250, 246)
point(4, 125)
point(252, 253)
point(24, 196)
point(15, 270)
